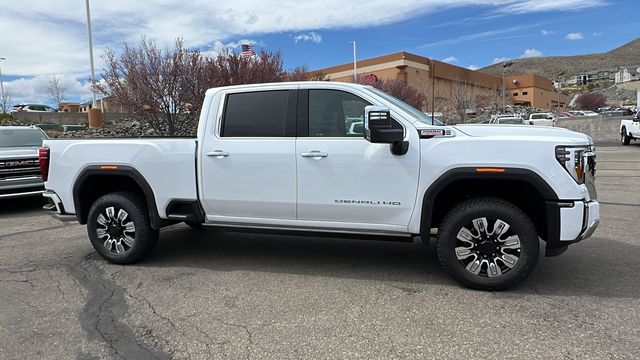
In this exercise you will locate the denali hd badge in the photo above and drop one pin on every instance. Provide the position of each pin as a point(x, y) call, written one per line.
point(429, 133)
point(368, 202)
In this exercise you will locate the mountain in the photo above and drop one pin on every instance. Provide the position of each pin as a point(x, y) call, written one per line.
point(550, 66)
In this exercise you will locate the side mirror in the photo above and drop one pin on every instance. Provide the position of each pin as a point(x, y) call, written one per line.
point(377, 126)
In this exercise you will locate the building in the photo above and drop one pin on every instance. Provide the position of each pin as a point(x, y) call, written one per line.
point(106, 104)
point(71, 107)
point(439, 81)
point(592, 77)
point(626, 74)
point(533, 90)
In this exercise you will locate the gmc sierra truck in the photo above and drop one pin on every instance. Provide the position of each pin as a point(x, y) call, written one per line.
point(19, 163)
point(280, 157)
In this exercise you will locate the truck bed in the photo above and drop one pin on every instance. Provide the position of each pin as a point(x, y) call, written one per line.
point(167, 164)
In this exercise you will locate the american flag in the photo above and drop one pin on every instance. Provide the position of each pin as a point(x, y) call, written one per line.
point(247, 51)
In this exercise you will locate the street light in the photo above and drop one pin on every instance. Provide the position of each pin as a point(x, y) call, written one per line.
point(504, 66)
point(558, 91)
point(355, 74)
point(93, 75)
point(2, 88)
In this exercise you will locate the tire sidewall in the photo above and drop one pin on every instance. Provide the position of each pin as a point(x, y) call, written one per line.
point(145, 236)
point(517, 221)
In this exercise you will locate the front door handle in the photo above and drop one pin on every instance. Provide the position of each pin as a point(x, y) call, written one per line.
point(218, 153)
point(314, 154)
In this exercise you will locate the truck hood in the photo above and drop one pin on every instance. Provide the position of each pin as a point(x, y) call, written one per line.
point(18, 152)
point(560, 135)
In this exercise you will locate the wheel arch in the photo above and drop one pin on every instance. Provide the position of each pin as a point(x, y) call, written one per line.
point(95, 181)
point(522, 187)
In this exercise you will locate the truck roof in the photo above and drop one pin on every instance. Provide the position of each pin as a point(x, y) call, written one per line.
point(289, 84)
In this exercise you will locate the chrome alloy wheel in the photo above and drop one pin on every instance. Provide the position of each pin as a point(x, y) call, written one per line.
point(487, 253)
point(116, 231)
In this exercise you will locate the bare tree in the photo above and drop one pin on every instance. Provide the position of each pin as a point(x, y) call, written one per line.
point(56, 90)
point(5, 100)
point(463, 97)
point(396, 88)
point(165, 88)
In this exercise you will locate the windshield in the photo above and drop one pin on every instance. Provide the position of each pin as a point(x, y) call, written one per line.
point(417, 114)
point(20, 137)
point(539, 116)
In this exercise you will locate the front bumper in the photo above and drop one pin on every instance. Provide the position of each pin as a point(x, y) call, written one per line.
point(21, 187)
point(591, 219)
point(569, 222)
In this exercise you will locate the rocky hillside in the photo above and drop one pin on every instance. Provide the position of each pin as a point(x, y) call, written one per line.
point(550, 66)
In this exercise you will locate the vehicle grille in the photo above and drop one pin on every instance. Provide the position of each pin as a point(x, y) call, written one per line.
point(17, 168)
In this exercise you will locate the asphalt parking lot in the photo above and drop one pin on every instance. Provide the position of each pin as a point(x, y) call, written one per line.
point(213, 294)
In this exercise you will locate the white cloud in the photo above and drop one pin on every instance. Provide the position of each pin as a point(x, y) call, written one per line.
point(574, 36)
point(529, 53)
point(473, 67)
point(34, 89)
point(451, 60)
point(499, 60)
point(547, 32)
point(310, 36)
point(48, 41)
point(598, 33)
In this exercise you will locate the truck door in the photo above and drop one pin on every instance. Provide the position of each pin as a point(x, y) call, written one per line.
point(248, 163)
point(342, 178)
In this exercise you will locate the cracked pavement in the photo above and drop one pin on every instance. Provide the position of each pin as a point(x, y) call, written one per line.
point(223, 295)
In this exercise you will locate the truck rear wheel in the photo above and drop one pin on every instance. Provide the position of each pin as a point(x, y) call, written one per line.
point(625, 139)
point(120, 229)
point(488, 244)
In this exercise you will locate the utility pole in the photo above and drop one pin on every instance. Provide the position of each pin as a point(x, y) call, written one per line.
point(355, 69)
point(2, 87)
point(93, 75)
point(558, 91)
point(433, 91)
point(504, 66)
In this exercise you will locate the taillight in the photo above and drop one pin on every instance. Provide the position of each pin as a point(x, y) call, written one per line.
point(43, 156)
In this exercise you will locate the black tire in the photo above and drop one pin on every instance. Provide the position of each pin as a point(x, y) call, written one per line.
point(144, 237)
point(625, 139)
point(194, 225)
point(495, 250)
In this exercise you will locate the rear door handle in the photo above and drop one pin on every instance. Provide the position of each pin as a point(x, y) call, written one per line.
point(218, 153)
point(314, 154)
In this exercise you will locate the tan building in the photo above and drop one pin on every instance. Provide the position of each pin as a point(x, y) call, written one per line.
point(534, 91)
point(71, 107)
point(449, 80)
point(105, 104)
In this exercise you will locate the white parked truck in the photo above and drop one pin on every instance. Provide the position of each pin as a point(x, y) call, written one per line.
point(280, 157)
point(630, 129)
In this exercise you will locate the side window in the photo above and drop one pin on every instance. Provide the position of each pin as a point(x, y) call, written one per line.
point(334, 113)
point(255, 114)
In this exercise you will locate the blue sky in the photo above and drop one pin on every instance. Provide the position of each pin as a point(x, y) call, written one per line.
point(41, 41)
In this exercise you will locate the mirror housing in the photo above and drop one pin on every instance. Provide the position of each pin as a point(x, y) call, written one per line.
point(377, 126)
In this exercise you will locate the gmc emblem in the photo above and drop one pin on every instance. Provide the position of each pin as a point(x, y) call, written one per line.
point(18, 163)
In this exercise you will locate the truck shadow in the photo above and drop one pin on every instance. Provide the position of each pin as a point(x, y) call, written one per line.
point(22, 206)
point(599, 267)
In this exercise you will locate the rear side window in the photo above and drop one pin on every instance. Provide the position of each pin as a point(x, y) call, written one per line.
point(256, 114)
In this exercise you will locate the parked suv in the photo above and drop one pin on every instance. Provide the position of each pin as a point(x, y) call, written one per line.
point(20, 173)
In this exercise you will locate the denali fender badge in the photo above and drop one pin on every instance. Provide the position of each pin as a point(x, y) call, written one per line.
point(368, 202)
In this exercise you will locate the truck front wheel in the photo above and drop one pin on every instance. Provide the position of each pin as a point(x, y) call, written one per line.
point(120, 229)
point(487, 244)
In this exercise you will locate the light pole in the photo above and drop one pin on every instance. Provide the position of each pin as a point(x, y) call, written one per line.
point(355, 73)
point(558, 91)
point(504, 66)
point(4, 105)
point(93, 75)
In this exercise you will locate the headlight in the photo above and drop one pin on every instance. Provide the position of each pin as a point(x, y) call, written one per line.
point(579, 161)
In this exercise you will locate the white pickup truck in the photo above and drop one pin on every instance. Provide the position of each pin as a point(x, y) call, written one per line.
point(279, 157)
point(630, 129)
